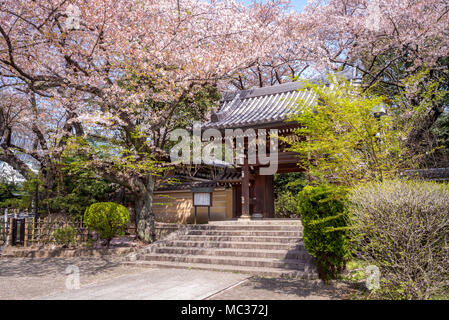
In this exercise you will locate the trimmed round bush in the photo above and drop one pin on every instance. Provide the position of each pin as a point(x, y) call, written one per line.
point(107, 219)
point(402, 227)
point(322, 210)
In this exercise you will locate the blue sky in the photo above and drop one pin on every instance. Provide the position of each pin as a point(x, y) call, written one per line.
point(297, 4)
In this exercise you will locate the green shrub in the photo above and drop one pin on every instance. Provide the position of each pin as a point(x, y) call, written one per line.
point(4, 192)
point(402, 227)
point(22, 196)
point(80, 191)
point(286, 205)
point(13, 203)
point(322, 211)
point(65, 236)
point(289, 182)
point(107, 219)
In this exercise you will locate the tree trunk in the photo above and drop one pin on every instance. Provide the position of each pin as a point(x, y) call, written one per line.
point(144, 213)
point(421, 141)
point(425, 124)
point(49, 178)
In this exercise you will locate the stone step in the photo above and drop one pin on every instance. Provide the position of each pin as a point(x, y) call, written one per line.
point(235, 261)
point(237, 245)
point(269, 272)
point(262, 247)
point(255, 227)
point(252, 233)
point(201, 238)
point(266, 222)
point(251, 253)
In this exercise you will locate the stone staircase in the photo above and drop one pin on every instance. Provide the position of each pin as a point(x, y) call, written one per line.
point(259, 247)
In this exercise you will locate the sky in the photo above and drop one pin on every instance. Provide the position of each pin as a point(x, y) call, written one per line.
point(296, 4)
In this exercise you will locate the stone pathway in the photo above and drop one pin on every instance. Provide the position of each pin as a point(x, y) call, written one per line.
point(260, 288)
point(156, 284)
point(107, 278)
point(28, 278)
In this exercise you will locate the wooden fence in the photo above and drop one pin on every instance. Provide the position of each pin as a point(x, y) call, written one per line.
point(38, 231)
point(4, 232)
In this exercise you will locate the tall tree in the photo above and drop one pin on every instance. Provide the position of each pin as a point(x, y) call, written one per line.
point(125, 68)
point(347, 135)
point(387, 41)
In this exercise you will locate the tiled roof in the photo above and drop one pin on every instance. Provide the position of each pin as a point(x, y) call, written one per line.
point(257, 106)
point(180, 182)
point(187, 183)
point(230, 176)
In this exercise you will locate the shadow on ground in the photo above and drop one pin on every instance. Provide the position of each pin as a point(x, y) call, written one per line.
point(304, 288)
point(261, 288)
point(29, 267)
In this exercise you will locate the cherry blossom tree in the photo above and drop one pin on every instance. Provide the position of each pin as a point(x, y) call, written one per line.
point(287, 59)
point(127, 72)
point(13, 110)
point(389, 43)
point(123, 71)
point(346, 32)
point(33, 135)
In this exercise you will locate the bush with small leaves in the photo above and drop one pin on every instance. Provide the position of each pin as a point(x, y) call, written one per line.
point(402, 227)
point(322, 211)
point(107, 219)
point(65, 236)
point(286, 206)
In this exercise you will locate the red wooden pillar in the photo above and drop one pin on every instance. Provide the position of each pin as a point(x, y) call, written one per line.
point(245, 191)
point(259, 195)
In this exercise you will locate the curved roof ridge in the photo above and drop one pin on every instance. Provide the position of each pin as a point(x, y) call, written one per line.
point(257, 106)
point(257, 92)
